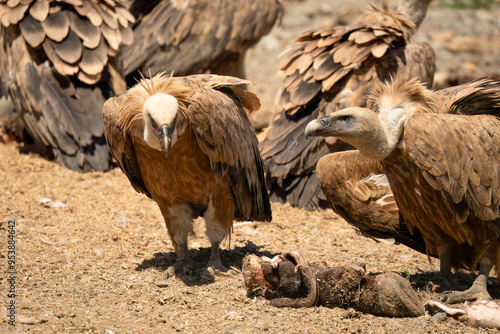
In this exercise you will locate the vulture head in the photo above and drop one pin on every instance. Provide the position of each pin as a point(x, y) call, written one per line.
point(362, 128)
point(377, 133)
point(160, 115)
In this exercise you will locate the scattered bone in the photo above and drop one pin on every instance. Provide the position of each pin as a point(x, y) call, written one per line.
point(481, 313)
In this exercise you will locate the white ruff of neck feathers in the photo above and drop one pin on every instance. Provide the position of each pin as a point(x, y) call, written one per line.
point(163, 109)
point(393, 123)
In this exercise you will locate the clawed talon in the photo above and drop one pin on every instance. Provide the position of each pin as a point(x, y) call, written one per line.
point(472, 294)
point(185, 266)
point(170, 272)
point(478, 290)
point(443, 285)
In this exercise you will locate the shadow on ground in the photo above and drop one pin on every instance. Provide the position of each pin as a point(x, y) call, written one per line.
point(232, 260)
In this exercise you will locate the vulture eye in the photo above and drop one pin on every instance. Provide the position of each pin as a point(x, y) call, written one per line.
point(346, 119)
point(153, 123)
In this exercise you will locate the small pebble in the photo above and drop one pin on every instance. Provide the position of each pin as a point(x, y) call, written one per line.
point(440, 316)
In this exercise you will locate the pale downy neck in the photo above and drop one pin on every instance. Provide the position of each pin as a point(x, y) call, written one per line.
point(386, 131)
point(415, 9)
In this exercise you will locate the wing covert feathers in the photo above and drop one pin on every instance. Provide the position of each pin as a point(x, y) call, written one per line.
point(213, 109)
point(60, 60)
point(327, 70)
point(220, 31)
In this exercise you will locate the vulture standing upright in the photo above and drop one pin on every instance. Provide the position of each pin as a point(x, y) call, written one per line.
point(196, 36)
point(441, 157)
point(330, 69)
point(57, 59)
point(187, 143)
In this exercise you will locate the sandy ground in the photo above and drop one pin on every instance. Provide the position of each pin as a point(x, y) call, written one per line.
point(91, 255)
point(91, 252)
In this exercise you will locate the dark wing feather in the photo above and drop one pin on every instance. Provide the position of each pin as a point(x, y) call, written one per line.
point(325, 71)
point(481, 96)
point(197, 36)
point(60, 66)
point(121, 145)
point(219, 120)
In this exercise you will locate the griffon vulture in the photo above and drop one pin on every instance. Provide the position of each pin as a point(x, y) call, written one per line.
point(441, 157)
point(57, 59)
point(187, 143)
point(196, 36)
point(331, 69)
point(357, 189)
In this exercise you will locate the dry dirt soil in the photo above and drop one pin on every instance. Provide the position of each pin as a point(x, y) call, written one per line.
point(91, 252)
point(91, 255)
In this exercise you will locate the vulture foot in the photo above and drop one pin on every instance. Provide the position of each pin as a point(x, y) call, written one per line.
point(439, 286)
point(184, 266)
point(478, 290)
point(471, 294)
point(213, 268)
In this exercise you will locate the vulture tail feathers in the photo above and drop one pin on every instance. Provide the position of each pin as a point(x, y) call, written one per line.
point(485, 98)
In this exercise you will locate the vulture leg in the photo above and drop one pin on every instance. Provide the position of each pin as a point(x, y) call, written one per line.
point(445, 280)
point(184, 261)
point(219, 220)
point(215, 262)
point(179, 226)
point(478, 290)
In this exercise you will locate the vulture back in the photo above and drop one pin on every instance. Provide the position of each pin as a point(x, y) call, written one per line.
point(57, 59)
point(327, 70)
point(197, 36)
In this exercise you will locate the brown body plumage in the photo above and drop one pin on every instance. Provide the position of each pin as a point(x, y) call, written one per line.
point(441, 155)
point(213, 168)
point(357, 189)
point(327, 70)
point(196, 36)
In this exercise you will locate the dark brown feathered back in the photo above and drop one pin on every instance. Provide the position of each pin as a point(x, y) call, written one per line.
point(197, 36)
point(327, 70)
point(57, 59)
point(78, 37)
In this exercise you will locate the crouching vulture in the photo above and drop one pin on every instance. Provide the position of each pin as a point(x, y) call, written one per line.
point(328, 70)
point(441, 156)
point(187, 143)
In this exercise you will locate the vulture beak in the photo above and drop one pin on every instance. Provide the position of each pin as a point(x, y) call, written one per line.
point(317, 127)
point(165, 138)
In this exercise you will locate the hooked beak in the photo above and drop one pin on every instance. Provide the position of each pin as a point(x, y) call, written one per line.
point(165, 137)
point(317, 127)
